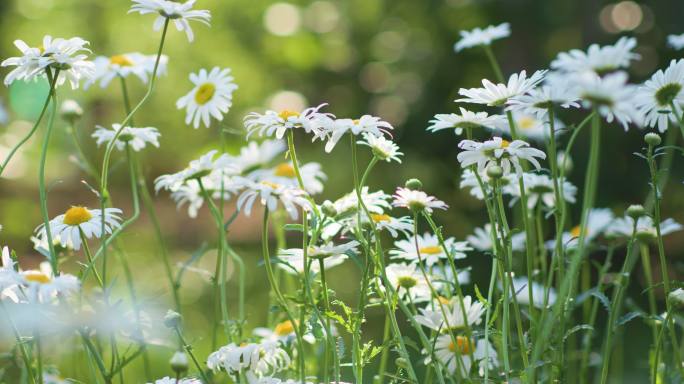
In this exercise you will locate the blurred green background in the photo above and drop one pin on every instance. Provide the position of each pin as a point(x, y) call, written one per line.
point(389, 58)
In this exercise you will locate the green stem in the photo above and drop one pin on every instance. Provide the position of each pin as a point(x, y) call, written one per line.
point(494, 63)
point(188, 348)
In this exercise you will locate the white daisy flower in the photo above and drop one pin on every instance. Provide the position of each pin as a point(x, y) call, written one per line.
point(597, 59)
point(539, 189)
point(470, 180)
point(429, 248)
point(376, 202)
point(478, 36)
point(676, 41)
point(655, 98)
point(137, 138)
point(409, 281)
point(254, 359)
point(123, 65)
point(203, 167)
point(598, 221)
point(9, 277)
point(42, 286)
point(610, 95)
point(498, 94)
point(433, 318)
point(530, 126)
point(416, 200)
point(257, 155)
point(212, 96)
point(77, 220)
point(332, 255)
point(270, 194)
point(466, 119)
point(481, 239)
point(522, 295)
point(65, 55)
point(276, 124)
point(179, 13)
point(382, 148)
point(283, 332)
point(284, 173)
point(445, 351)
point(366, 125)
point(555, 92)
point(171, 380)
point(443, 277)
point(190, 192)
point(499, 152)
point(393, 225)
point(646, 230)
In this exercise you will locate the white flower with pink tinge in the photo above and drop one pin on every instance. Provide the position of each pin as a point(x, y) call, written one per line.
point(417, 200)
point(499, 152)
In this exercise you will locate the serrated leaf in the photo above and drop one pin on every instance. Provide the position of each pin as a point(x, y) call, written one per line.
point(626, 318)
point(577, 328)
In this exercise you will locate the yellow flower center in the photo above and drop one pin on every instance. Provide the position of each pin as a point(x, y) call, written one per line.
point(120, 60)
point(527, 122)
point(204, 93)
point(77, 215)
point(443, 300)
point(356, 121)
point(36, 277)
point(269, 184)
point(575, 232)
point(505, 143)
point(286, 114)
point(378, 217)
point(283, 329)
point(464, 345)
point(431, 250)
point(285, 170)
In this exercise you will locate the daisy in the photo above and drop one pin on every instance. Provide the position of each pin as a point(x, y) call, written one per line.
point(429, 249)
point(284, 174)
point(498, 152)
point(469, 179)
point(347, 205)
point(137, 138)
point(530, 126)
point(443, 277)
point(598, 221)
point(522, 295)
point(217, 185)
point(366, 125)
point(555, 92)
point(610, 95)
point(212, 96)
point(276, 124)
point(254, 359)
point(79, 223)
point(676, 41)
point(433, 318)
point(200, 168)
point(170, 380)
point(179, 13)
point(43, 286)
point(270, 194)
point(332, 255)
point(9, 278)
point(65, 55)
point(408, 281)
point(283, 332)
point(481, 239)
point(465, 120)
point(123, 65)
point(393, 225)
point(655, 98)
point(445, 351)
point(597, 59)
point(498, 94)
point(416, 201)
point(539, 189)
point(382, 148)
point(646, 230)
point(257, 155)
point(478, 36)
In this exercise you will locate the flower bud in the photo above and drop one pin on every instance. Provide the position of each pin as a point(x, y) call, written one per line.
point(494, 172)
point(653, 139)
point(401, 362)
point(179, 362)
point(70, 110)
point(564, 162)
point(328, 208)
point(413, 184)
point(676, 298)
point(635, 211)
point(172, 319)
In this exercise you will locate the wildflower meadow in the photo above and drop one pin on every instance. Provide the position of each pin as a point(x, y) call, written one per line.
point(157, 229)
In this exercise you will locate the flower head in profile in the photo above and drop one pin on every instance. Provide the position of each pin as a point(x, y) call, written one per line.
point(499, 152)
point(676, 41)
point(78, 222)
point(597, 59)
point(284, 174)
point(498, 94)
point(382, 148)
point(555, 92)
point(530, 126)
point(211, 96)
point(539, 292)
point(270, 195)
point(125, 65)
point(255, 155)
point(202, 168)
point(408, 281)
point(611, 95)
point(416, 201)
point(645, 228)
point(68, 56)
point(481, 239)
point(433, 318)
point(181, 14)
point(277, 124)
point(465, 120)
point(429, 249)
point(539, 190)
point(254, 360)
point(479, 36)
point(331, 254)
point(136, 138)
point(42, 286)
point(365, 125)
point(658, 94)
point(598, 221)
